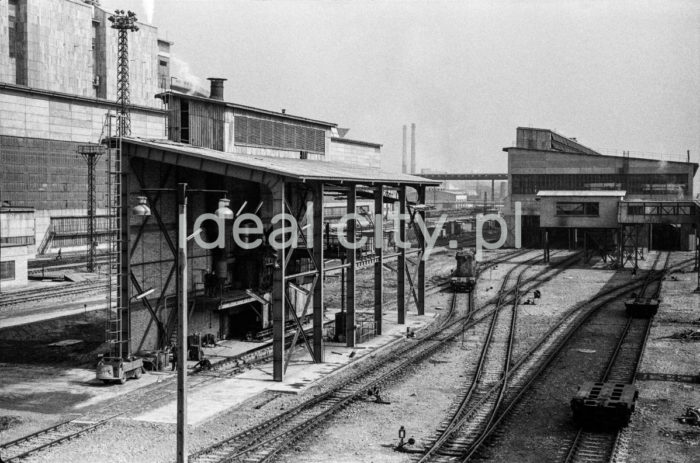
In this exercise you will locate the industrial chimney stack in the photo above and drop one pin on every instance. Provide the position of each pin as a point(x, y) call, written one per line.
point(404, 161)
point(413, 148)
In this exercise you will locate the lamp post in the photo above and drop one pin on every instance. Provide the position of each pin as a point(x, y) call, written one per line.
point(223, 211)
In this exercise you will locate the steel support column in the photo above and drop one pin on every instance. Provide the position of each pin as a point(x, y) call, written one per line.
point(421, 255)
point(278, 286)
point(379, 253)
point(401, 262)
point(124, 314)
point(182, 324)
point(352, 257)
point(317, 234)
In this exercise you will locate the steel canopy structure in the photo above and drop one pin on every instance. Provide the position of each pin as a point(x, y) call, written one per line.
point(281, 186)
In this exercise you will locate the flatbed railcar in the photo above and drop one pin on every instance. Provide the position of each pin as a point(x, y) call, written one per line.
point(606, 405)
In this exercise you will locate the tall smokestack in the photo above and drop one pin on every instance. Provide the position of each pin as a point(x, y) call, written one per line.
point(216, 91)
point(404, 161)
point(413, 148)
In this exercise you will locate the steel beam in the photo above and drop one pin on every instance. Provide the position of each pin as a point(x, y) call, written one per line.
point(352, 257)
point(421, 259)
point(379, 253)
point(279, 305)
point(317, 234)
point(401, 264)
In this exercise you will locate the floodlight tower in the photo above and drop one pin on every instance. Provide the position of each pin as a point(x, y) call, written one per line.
point(120, 322)
point(123, 22)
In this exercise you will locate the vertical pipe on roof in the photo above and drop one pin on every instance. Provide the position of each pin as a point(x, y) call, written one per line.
point(216, 89)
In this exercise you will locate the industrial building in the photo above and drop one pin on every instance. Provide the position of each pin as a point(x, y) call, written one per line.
point(544, 162)
point(58, 83)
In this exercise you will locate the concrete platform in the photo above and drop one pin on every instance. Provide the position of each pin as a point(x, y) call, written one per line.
point(220, 395)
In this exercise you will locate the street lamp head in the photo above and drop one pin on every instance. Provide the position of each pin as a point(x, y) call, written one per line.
point(224, 211)
point(141, 208)
point(144, 294)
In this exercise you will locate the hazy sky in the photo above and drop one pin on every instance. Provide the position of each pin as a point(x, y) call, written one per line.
point(616, 75)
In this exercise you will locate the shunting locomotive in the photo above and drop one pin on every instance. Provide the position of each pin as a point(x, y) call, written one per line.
point(464, 277)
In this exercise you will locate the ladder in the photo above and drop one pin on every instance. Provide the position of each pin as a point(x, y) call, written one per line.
point(118, 323)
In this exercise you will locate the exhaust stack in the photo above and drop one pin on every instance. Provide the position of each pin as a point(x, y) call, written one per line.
point(216, 91)
point(404, 161)
point(413, 148)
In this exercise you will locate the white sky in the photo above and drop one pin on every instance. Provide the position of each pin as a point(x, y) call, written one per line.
point(615, 74)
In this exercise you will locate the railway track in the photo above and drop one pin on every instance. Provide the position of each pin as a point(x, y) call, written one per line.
point(622, 366)
point(42, 294)
point(74, 428)
point(546, 350)
point(458, 431)
point(262, 442)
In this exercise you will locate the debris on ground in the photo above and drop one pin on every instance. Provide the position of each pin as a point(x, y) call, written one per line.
point(685, 335)
point(691, 416)
point(7, 422)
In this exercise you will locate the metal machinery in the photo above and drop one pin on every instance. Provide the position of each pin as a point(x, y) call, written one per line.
point(604, 405)
point(464, 277)
point(120, 364)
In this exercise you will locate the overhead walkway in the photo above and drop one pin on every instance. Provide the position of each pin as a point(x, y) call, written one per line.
point(633, 215)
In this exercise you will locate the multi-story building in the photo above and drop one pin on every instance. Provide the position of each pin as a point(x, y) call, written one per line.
point(543, 160)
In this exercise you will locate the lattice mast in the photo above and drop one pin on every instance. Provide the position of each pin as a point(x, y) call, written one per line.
point(91, 154)
point(119, 227)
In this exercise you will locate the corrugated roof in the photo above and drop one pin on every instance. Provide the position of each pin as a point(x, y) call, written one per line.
point(300, 169)
point(616, 193)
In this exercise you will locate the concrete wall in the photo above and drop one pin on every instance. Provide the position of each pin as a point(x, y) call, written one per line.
point(57, 118)
point(59, 46)
point(18, 254)
point(60, 56)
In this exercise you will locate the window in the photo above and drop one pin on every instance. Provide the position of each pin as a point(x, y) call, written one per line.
point(163, 73)
point(12, 17)
point(7, 270)
point(184, 121)
point(657, 184)
point(635, 210)
point(577, 209)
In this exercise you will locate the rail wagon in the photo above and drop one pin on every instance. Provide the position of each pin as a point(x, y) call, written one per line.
point(463, 278)
point(642, 307)
point(604, 405)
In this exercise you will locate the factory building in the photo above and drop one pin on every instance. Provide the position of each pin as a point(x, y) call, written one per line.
point(58, 82)
point(544, 161)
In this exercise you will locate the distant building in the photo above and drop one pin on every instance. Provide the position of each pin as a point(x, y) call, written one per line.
point(543, 160)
